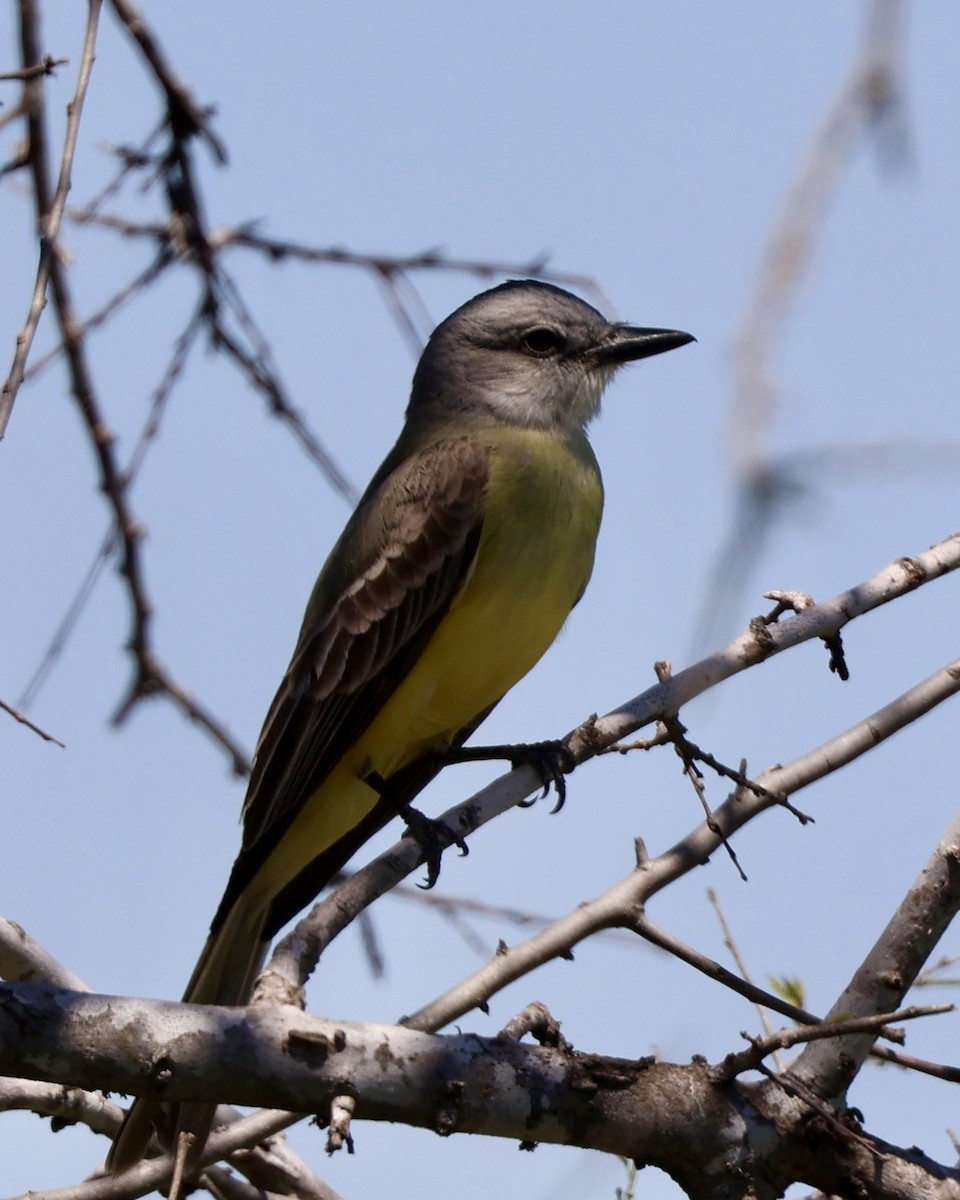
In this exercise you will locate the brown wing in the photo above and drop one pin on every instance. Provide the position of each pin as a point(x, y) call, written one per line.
point(400, 563)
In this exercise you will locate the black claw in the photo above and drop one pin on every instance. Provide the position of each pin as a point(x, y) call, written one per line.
point(433, 836)
point(552, 761)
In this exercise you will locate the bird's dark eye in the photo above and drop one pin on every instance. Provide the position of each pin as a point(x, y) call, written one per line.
point(542, 342)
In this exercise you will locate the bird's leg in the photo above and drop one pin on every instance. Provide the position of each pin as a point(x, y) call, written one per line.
point(433, 836)
point(552, 761)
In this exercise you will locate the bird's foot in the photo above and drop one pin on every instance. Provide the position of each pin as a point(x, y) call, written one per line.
point(552, 761)
point(433, 836)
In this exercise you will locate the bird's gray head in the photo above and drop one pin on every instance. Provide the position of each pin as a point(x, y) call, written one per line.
point(530, 354)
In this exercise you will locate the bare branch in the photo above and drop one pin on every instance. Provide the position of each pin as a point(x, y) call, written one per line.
point(783, 1039)
point(109, 542)
point(154, 1173)
point(24, 960)
point(384, 266)
point(150, 677)
point(296, 955)
point(909, 1062)
point(868, 102)
point(128, 292)
point(264, 376)
point(730, 943)
point(889, 969)
point(186, 117)
point(389, 266)
point(153, 679)
point(621, 904)
point(47, 66)
point(49, 213)
point(865, 98)
point(66, 1105)
point(20, 155)
point(131, 159)
point(18, 716)
point(687, 1119)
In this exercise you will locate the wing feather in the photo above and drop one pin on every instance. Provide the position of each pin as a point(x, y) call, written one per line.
point(393, 575)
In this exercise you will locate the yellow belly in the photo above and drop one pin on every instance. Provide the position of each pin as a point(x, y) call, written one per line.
point(533, 562)
point(534, 559)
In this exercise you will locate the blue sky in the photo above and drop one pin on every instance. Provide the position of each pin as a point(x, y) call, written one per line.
point(648, 145)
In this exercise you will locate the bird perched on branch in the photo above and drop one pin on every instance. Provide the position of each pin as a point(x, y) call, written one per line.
point(462, 561)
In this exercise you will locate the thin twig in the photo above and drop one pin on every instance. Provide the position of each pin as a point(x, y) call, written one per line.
point(265, 377)
point(867, 102)
point(783, 1039)
point(620, 904)
point(865, 97)
point(18, 716)
point(295, 957)
point(131, 159)
point(186, 117)
point(391, 289)
point(153, 679)
point(149, 275)
point(897, 1058)
point(7, 118)
point(108, 543)
point(49, 214)
point(281, 249)
point(731, 945)
point(927, 977)
point(47, 66)
point(657, 936)
point(676, 731)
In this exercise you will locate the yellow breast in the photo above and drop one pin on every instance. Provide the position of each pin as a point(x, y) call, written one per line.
point(541, 517)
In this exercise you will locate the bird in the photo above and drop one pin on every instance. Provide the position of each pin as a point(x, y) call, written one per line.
point(461, 563)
